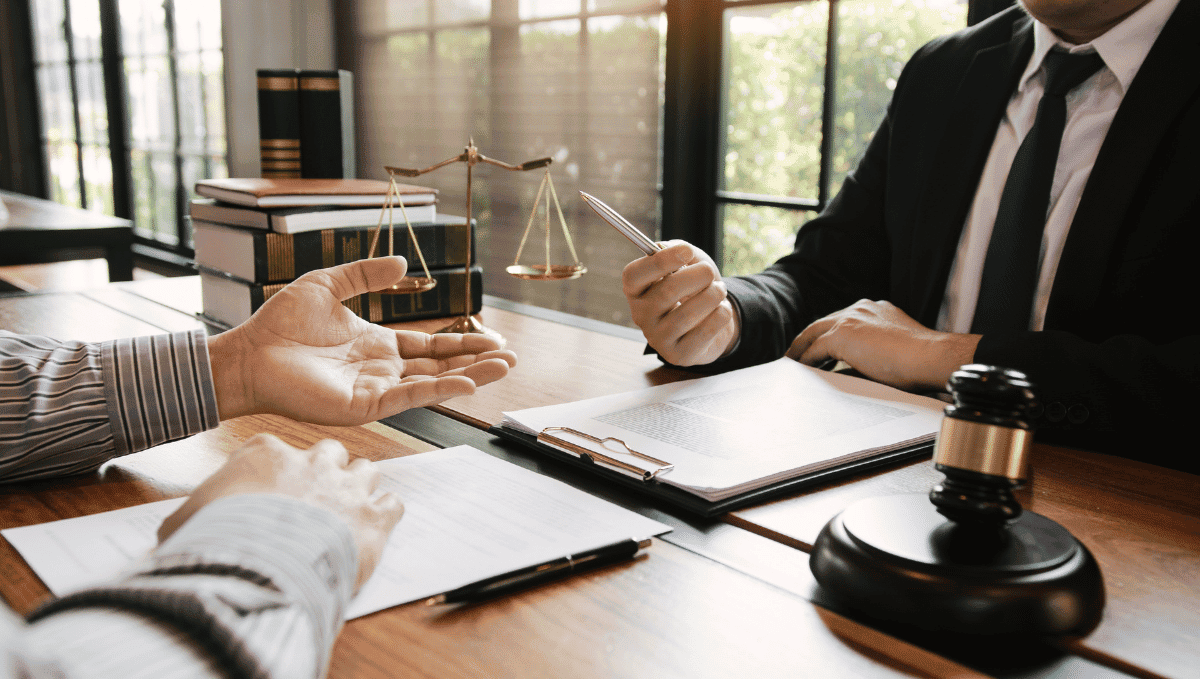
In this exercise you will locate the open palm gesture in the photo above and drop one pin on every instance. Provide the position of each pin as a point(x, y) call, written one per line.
point(306, 356)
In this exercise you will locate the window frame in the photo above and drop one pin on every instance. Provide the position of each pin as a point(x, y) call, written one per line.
point(112, 61)
point(692, 196)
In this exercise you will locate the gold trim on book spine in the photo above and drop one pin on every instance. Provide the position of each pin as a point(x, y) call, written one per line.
point(279, 154)
point(457, 289)
point(281, 257)
point(376, 307)
point(455, 243)
point(280, 174)
point(280, 164)
point(277, 83)
point(354, 304)
point(321, 84)
point(327, 254)
point(270, 290)
point(984, 448)
point(351, 247)
point(279, 143)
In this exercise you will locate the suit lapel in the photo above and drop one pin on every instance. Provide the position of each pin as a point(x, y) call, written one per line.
point(959, 162)
point(1166, 82)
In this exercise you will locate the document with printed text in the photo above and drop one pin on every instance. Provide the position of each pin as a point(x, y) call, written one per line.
point(745, 429)
point(468, 516)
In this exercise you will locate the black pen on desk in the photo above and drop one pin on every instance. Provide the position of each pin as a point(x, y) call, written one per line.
point(529, 576)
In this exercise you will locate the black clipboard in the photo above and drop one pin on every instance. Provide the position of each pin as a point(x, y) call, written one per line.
point(698, 505)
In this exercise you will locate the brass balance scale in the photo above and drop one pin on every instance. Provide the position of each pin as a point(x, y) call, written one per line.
point(532, 272)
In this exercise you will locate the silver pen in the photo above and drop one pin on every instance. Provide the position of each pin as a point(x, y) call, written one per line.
point(621, 224)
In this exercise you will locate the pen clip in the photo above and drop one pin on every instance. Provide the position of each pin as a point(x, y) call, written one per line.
point(598, 457)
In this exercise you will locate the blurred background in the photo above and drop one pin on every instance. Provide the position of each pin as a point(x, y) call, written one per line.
point(729, 124)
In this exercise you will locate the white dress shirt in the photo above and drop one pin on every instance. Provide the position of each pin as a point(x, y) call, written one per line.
point(1090, 110)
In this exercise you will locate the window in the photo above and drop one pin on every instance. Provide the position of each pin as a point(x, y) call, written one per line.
point(805, 85)
point(132, 107)
point(577, 80)
point(730, 132)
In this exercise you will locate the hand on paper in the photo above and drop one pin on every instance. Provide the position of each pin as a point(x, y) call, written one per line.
point(678, 299)
point(306, 356)
point(319, 476)
point(884, 343)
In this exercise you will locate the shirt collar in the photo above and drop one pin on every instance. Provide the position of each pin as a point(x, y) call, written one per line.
point(1123, 47)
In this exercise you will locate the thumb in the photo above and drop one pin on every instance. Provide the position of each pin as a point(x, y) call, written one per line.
point(366, 275)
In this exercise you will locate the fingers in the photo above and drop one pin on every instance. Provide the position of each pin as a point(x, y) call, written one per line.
point(807, 337)
point(441, 345)
point(365, 275)
point(641, 273)
point(420, 391)
point(329, 452)
point(432, 366)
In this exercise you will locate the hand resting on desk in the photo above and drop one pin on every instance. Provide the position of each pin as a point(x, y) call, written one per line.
point(320, 476)
point(305, 356)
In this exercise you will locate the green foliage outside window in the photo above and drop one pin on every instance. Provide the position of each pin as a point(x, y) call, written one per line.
point(773, 107)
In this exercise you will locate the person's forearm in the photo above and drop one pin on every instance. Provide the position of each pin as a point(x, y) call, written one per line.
point(255, 598)
point(67, 407)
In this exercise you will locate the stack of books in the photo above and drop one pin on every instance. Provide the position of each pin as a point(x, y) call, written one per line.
point(254, 236)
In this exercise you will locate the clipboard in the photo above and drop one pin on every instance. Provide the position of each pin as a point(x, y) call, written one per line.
point(648, 484)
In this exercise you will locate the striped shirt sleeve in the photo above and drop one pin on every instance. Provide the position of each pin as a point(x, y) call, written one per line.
point(68, 407)
point(225, 596)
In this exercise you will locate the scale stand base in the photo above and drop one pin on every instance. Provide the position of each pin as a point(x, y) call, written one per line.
point(897, 559)
point(470, 324)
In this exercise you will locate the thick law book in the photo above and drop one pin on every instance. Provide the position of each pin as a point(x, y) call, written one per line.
point(726, 441)
point(269, 257)
point(326, 103)
point(305, 218)
point(279, 123)
point(253, 192)
point(230, 301)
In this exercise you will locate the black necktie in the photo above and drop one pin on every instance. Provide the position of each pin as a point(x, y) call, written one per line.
point(1010, 271)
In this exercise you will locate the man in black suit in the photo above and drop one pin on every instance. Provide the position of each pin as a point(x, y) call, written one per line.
point(1111, 340)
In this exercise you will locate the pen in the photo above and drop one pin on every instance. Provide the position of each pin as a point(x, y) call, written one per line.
point(529, 576)
point(621, 224)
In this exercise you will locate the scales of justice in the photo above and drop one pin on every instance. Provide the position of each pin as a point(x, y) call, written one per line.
point(534, 272)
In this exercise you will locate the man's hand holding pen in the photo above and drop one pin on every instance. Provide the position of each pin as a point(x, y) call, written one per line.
point(678, 299)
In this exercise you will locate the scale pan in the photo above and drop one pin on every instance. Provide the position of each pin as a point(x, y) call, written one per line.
point(409, 285)
point(541, 272)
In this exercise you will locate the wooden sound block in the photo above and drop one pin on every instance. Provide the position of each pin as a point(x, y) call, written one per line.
point(897, 559)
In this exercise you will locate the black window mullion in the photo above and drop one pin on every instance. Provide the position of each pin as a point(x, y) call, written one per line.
point(177, 142)
point(691, 123)
point(828, 106)
point(69, 37)
point(117, 104)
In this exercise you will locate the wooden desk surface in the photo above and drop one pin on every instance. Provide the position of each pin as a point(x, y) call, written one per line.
point(30, 213)
point(1142, 522)
point(672, 613)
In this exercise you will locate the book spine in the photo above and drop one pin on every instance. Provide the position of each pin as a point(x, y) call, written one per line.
point(281, 257)
point(445, 299)
point(279, 123)
point(326, 105)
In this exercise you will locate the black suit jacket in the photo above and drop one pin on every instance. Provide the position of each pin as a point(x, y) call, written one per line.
point(1118, 363)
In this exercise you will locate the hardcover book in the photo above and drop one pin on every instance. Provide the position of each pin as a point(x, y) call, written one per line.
point(279, 123)
point(230, 301)
point(269, 257)
point(306, 218)
point(264, 192)
point(326, 124)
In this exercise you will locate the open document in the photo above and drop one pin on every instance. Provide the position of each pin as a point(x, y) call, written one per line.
point(468, 516)
point(726, 434)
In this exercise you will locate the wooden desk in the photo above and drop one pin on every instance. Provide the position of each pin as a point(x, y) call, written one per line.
point(1142, 522)
point(677, 612)
point(39, 230)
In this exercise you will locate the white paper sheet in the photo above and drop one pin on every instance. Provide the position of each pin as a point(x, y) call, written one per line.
point(747, 428)
point(467, 516)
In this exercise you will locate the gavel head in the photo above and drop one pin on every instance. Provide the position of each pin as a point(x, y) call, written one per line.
point(983, 446)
